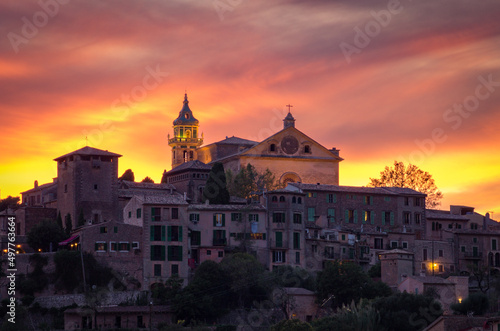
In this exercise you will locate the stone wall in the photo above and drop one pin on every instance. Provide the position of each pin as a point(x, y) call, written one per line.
point(109, 299)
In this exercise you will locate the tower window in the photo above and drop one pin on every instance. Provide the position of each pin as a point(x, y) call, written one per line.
point(186, 116)
point(185, 156)
point(272, 148)
point(95, 186)
point(307, 149)
point(191, 155)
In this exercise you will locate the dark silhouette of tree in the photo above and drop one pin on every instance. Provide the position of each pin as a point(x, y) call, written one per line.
point(41, 235)
point(164, 177)
point(128, 175)
point(410, 177)
point(68, 224)
point(147, 179)
point(59, 221)
point(9, 202)
point(215, 190)
point(476, 303)
point(81, 218)
point(248, 181)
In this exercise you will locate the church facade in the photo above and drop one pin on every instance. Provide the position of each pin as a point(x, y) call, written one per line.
point(289, 154)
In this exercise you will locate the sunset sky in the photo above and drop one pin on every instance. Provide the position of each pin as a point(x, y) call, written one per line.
point(417, 81)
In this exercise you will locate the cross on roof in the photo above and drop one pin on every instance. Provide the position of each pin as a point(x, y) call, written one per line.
point(289, 106)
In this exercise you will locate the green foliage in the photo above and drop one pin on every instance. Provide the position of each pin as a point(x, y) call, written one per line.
point(164, 177)
point(404, 311)
point(215, 190)
point(21, 320)
point(476, 303)
point(247, 181)
point(164, 294)
point(288, 276)
point(344, 282)
point(411, 177)
point(68, 224)
point(147, 179)
point(361, 317)
point(375, 271)
point(81, 218)
point(292, 325)
point(128, 175)
point(37, 280)
point(9, 202)
point(44, 233)
point(59, 221)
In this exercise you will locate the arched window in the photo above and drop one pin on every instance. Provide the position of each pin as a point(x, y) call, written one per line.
point(274, 199)
point(185, 156)
point(307, 149)
point(299, 200)
point(294, 200)
point(272, 148)
point(282, 199)
point(188, 133)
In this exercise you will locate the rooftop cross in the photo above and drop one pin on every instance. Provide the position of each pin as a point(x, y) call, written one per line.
point(289, 106)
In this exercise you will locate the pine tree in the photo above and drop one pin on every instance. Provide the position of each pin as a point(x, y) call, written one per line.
point(215, 190)
point(59, 221)
point(68, 224)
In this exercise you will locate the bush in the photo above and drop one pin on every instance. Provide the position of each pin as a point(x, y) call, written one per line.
point(476, 302)
point(292, 325)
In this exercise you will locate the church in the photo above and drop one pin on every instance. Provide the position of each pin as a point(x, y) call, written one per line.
point(291, 155)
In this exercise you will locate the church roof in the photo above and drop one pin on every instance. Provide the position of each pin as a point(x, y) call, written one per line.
point(191, 165)
point(90, 151)
point(185, 115)
point(236, 141)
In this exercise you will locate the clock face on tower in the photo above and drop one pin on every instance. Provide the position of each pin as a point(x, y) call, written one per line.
point(289, 145)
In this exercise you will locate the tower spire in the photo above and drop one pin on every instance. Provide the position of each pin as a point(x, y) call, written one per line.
point(289, 121)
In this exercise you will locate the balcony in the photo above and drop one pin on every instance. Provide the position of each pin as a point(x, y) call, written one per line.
point(220, 242)
point(471, 255)
point(278, 244)
point(185, 140)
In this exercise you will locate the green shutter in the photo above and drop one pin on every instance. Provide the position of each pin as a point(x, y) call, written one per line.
point(169, 233)
point(347, 216)
point(355, 216)
point(151, 233)
point(256, 217)
point(163, 233)
point(392, 218)
point(96, 247)
point(223, 219)
point(224, 234)
point(180, 253)
point(115, 229)
point(105, 246)
point(128, 246)
point(264, 236)
point(151, 252)
point(180, 233)
point(215, 220)
point(383, 218)
point(274, 256)
point(284, 257)
point(335, 198)
point(371, 200)
point(279, 239)
point(162, 253)
point(364, 200)
point(372, 217)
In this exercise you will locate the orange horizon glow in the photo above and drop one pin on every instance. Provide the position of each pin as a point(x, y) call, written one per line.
point(117, 75)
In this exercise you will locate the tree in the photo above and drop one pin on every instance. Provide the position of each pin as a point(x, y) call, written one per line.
point(9, 202)
point(68, 224)
point(476, 303)
point(292, 325)
point(164, 177)
point(45, 233)
point(147, 179)
point(215, 190)
point(59, 221)
point(353, 317)
point(411, 177)
point(81, 218)
point(128, 175)
point(288, 276)
point(247, 181)
point(481, 274)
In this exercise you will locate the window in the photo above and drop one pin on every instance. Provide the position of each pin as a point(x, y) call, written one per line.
point(155, 214)
point(282, 199)
point(65, 188)
point(129, 214)
point(311, 212)
point(138, 213)
point(124, 246)
point(422, 266)
point(368, 200)
point(274, 199)
point(417, 201)
point(278, 217)
point(331, 198)
point(329, 252)
point(194, 218)
point(157, 270)
point(135, 245)
point(379, 243)
point(440, 253)
point(235, 217)
point(175, 213)
point(103, 229)
point(219, 238)
point(350, 216)
point(209, 252)
point(157, 233)
point(330, 212)
point(272, 148)
point(311, 194)
point(279, 256)
point(462, 249)
point(424, 254)
point(157, 253)
point(95, 187)
point(297, 257)
point(279, 239)
point(417, 218)
point(441, 268)
point(407, 218)
point(294, 199)
point(387, 199)
point(494, 244)
point(394, 244)
point(100, 246)
point(221, 253)
point(112, 246)
point(368, 217)
point(174, 269)
point(307, 149)
point(175, 253)
point(343, 237)
point(195, 237)
point(299, 200)
point(253, 217)
point(115, 229)
point(174, 233)
point(296, 240)
point(405, 245)
point(314, 248)
point(219, 219)
point(474, 240)
point(407, 201)
point(297, 218)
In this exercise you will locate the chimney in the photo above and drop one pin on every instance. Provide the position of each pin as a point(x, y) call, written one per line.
point(36, 183)
point(185, 196)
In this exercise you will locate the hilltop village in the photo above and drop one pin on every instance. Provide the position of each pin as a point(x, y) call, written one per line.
point(149, 232)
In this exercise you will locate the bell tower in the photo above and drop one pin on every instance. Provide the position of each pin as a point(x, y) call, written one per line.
point(186, 136)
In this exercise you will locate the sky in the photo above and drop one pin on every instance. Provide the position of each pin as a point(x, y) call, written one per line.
point(414, 81)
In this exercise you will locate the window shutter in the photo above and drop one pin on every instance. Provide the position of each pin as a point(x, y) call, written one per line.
point(284, 257)
point(223, 234)
point(372, 217)
point(223, 219)
point(335, 198)
point(169, 233)
point(162, 253)
point(151, 253)
point(152, 213)
point(264, 236)
point(128, 246)
point(383, 218)
point(327, 197)
point(392, 218)
point(274, 256)
point(214, 235)
point(279, 239)
point(180, 253)
point(355, 216)
point(180, 233)
point(347, 216)
point(163, 233)
point(151, 233)
point(215, 220)
point(364, 200)
point(256, 217)
point(96, 247)
point(371, 200)
point(105, 246)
